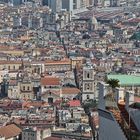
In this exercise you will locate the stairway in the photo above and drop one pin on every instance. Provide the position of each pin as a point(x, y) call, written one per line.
point(126, 116)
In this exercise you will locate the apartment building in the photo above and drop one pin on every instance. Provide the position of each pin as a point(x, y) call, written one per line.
point(21, 88)
point(10, 65)
point(71, 5)
point(58, 65)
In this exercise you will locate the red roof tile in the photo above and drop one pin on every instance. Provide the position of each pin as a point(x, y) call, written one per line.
point(74, 103)
point(10, 131)
point(48, 81)
point(70, 91)
point(10, 62)
point(53, 62)
point(28, 104)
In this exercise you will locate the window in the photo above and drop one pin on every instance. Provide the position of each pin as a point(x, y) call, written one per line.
point(8, 67)
point(13, 67)
point(88, 97)
point(35, 70)
point(38, 71)
point(74, 4)
point(87, 86)
point(28, 88)
point(87, 75)
point(23, 87)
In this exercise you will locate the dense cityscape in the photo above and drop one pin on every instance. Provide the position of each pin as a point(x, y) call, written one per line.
point(69, 69)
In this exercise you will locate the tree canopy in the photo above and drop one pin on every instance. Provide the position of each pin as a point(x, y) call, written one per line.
point(113, 83)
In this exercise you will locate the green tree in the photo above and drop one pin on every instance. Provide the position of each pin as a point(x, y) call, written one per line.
point(113, 83)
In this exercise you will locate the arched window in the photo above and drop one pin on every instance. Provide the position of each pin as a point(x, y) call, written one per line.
point(88, 75)
point(88, 97)
point(28, 88)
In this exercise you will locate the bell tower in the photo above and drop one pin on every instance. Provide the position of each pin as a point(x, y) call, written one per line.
point(88, 83)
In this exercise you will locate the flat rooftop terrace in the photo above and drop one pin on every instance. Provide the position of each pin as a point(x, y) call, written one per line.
point(126, 79)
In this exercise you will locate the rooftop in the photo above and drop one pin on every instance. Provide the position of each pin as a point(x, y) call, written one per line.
point(50, 81)
point(125, 79)
point(74, 103)
point(67, 90)
point(9, 131)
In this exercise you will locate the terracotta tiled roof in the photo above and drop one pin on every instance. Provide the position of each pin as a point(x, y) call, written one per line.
point(70, 90)
point(46, 81)
point(28, 104)
point(10, 62)
point(53, 62)
point(53, 93)
point(74, 103)
point(10, 131)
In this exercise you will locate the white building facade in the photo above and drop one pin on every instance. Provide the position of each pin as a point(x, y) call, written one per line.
point(88, 83)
